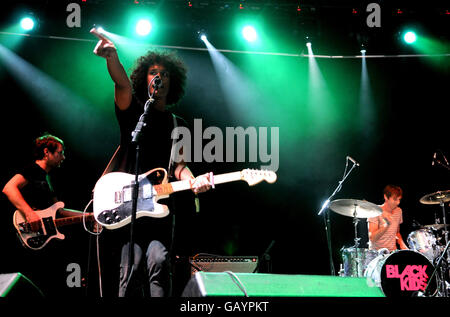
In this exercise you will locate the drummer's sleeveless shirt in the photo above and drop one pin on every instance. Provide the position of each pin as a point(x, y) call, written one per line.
point(388, 239)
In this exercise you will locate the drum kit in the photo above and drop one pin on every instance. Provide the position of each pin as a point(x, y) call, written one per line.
point(423, 270)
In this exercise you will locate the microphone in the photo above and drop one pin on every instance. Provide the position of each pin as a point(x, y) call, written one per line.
point(157, 82)
point(352, 160)
point(434, 158)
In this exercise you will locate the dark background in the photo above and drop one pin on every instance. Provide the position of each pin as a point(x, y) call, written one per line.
point(408, 124)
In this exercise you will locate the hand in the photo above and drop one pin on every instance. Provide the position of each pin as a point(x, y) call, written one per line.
point(33, 220)
point(104, 48)
point(201, 183)
point(97, 228)
point(387, 220)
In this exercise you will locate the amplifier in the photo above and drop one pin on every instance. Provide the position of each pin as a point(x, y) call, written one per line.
point(17, 285)
point(216, 263)
point(214, 284)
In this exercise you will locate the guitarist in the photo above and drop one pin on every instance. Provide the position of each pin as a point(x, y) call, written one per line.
point(30, 190)
point(155, 145)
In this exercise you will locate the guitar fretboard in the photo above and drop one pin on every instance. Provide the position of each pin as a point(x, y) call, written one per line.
point(74, 219)
point(167, 189)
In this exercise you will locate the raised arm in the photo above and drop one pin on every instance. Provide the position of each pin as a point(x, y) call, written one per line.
point(122, 86)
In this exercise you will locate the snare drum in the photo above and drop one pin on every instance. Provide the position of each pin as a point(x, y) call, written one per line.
point(402, 273)
point(423, 241)
point(355, 261)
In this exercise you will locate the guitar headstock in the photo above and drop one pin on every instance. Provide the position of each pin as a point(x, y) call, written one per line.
point(253, 177)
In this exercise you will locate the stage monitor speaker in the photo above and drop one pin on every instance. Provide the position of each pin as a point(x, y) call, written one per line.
point(17, 284)
point(210, 263)
point(204, 284)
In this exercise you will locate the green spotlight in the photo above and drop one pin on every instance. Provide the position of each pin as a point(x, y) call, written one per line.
point(27, 23)
point(410, 37)
point(249, 33)
point(143, 27)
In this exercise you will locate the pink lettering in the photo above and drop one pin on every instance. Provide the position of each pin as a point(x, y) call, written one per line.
point(422, 284)
point(404, 284)
point(392, 271)
point(423, 271)
point(413, 277)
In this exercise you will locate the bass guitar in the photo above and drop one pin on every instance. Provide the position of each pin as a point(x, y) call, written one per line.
point(112, 203)
point(48, 226)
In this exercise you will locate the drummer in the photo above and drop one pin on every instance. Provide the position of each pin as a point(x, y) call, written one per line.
point(384, 230)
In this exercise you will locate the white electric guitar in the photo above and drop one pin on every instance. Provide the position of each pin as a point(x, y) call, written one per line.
point(113, 194)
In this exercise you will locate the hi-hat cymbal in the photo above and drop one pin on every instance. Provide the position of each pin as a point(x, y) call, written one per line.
point(436, 198)
point(355, 208)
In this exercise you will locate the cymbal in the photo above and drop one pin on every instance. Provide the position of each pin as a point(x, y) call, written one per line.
point(436, 198)
point(355, 208)
point(435, 226)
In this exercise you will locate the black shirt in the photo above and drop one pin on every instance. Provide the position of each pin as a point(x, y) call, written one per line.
point(38, 193)
point(155, 140)
point(155, 145)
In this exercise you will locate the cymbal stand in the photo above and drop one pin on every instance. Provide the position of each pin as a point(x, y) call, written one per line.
point(355, 224)
point(442, 268)
point(445, 221)
point(445, 254)
point(356, 245)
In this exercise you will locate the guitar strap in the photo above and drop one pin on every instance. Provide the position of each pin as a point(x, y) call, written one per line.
point(109, 168)
point(175, 136)
point(172, 150)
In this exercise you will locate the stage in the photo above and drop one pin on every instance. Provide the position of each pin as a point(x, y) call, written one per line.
point(307, 113)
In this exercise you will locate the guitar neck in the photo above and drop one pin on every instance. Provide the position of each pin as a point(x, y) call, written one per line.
point(73, 219)
point(169, 188)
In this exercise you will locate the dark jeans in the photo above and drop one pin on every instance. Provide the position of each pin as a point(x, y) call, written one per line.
point(149, 278)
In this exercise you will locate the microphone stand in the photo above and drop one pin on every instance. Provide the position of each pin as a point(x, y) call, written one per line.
point(135, 191)
point(327, 216)
point(265, 257)
point(446, 165)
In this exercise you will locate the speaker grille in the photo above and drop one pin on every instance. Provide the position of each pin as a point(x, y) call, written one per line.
point(238, 264)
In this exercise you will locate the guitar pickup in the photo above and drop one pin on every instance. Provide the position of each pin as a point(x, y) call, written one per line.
point(118, 197)
point(147, 191)
point(125, 195)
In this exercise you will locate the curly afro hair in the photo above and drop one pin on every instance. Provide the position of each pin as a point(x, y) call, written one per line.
point(173, 65)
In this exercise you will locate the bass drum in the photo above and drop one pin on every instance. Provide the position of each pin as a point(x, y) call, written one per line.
point(402, 273)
